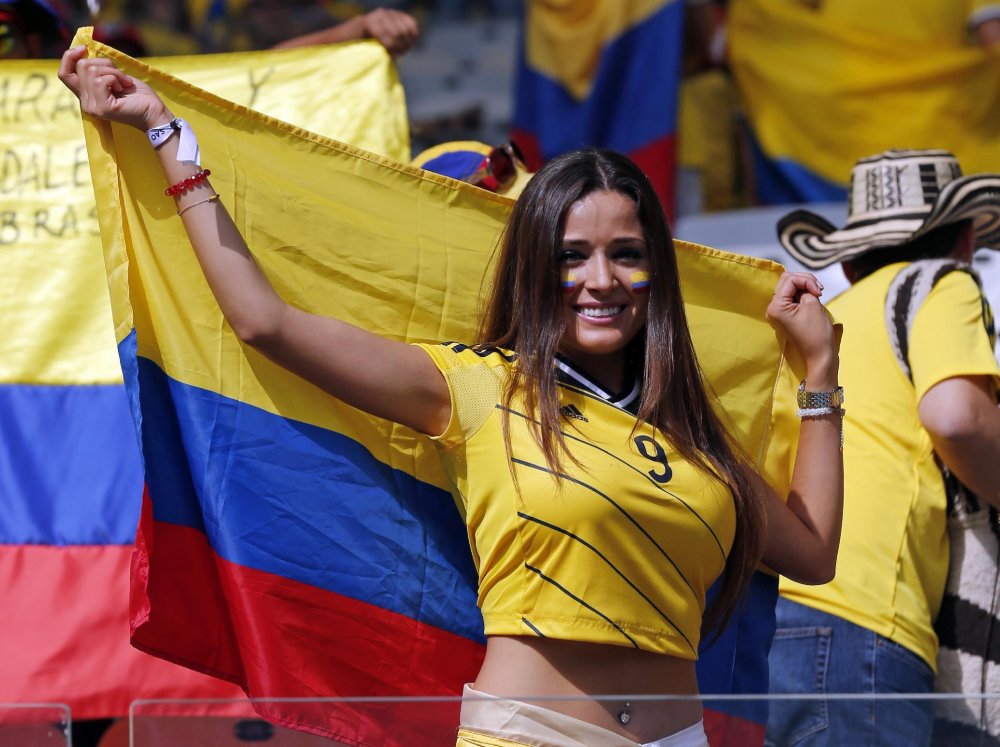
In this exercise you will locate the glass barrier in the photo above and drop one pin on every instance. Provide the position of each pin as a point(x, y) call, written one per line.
point(30, 724)
point(949, 720)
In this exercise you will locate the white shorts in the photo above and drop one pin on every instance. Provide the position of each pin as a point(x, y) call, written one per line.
point(490, 721)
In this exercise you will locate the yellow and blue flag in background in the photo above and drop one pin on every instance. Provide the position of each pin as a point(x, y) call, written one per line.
point(603, 73)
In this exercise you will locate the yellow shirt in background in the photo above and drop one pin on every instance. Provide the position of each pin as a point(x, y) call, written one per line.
point(948, 22)
point(894, 549)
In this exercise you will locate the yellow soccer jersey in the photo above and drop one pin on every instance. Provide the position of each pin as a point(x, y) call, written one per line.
point(619, 549)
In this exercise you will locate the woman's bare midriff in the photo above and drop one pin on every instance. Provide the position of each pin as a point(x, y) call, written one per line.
point(532, 668)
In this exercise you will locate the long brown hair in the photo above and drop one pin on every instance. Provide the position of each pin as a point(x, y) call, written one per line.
point(525, 314)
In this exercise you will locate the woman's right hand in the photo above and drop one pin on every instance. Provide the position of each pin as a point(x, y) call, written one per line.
point(796, 309)
point(108, 93)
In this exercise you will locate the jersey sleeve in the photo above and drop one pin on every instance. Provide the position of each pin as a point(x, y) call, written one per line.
point(475, 381)
point(949, 336)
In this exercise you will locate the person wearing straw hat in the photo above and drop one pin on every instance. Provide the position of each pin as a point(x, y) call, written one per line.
point(871, 630)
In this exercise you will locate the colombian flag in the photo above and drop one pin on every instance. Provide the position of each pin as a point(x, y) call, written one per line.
point(289, 543)
point(826, 83)
point(71, 478)
point(735, 663)
point(602, 73)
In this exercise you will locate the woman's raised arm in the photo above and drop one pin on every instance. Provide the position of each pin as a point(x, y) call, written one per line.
point(384, 377)
point(803, 533)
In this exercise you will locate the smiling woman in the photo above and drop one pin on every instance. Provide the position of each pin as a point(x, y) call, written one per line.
point(604, 249)
point(601, 491)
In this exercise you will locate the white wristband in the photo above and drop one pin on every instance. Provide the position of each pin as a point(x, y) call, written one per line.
point(815, 412)
point(187, 149)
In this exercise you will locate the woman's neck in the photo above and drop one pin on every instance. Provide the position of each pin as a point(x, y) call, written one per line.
point(607, 371)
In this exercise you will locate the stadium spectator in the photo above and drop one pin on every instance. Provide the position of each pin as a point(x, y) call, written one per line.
point(499, 169)
point(871, 629)
point(393, 29)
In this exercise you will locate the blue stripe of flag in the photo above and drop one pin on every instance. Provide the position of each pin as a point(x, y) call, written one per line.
point(69, 466)
point(305, 503)
point(783, 181)
point(633, 101)
point(735, 663)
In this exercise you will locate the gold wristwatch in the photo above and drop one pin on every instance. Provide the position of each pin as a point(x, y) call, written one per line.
point(816, 400)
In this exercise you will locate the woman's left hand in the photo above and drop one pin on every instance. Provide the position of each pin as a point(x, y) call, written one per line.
point(108, 93)
point(796, 310)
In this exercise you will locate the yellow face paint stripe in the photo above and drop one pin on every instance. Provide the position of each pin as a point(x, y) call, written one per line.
point(640, 281)
point(569, 282)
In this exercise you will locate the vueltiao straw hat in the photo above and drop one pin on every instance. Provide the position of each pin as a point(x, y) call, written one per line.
point(895, 197)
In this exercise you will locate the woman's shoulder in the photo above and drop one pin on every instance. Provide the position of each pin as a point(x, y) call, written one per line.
point(447, 355)
point(476, 376)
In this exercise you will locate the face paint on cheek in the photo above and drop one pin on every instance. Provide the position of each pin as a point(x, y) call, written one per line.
point(568, 281)
point(640, 282)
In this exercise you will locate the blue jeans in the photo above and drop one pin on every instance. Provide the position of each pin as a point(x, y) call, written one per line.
point(817, 653)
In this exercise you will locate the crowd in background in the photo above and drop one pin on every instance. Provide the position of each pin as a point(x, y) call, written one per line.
point(173, 27)
point(742, 119)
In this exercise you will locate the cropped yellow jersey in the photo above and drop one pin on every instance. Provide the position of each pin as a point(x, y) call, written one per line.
point(618, 549)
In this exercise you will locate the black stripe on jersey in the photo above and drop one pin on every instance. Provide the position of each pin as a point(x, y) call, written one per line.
point(577, 599)
point(649, 479)
point(534, 630)
point(480, 350)
point(612, 566)
point(565, 371)
point(609, 499)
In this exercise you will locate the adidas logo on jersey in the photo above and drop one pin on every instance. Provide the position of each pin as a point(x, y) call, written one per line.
point(572, 411)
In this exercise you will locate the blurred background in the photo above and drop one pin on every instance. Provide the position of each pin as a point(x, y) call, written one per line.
point(729, 105)
point(738, 112)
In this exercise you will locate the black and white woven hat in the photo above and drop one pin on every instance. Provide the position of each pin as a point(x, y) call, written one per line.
point(896, 197)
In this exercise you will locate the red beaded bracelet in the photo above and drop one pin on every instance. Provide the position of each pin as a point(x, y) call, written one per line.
point(185, 184)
